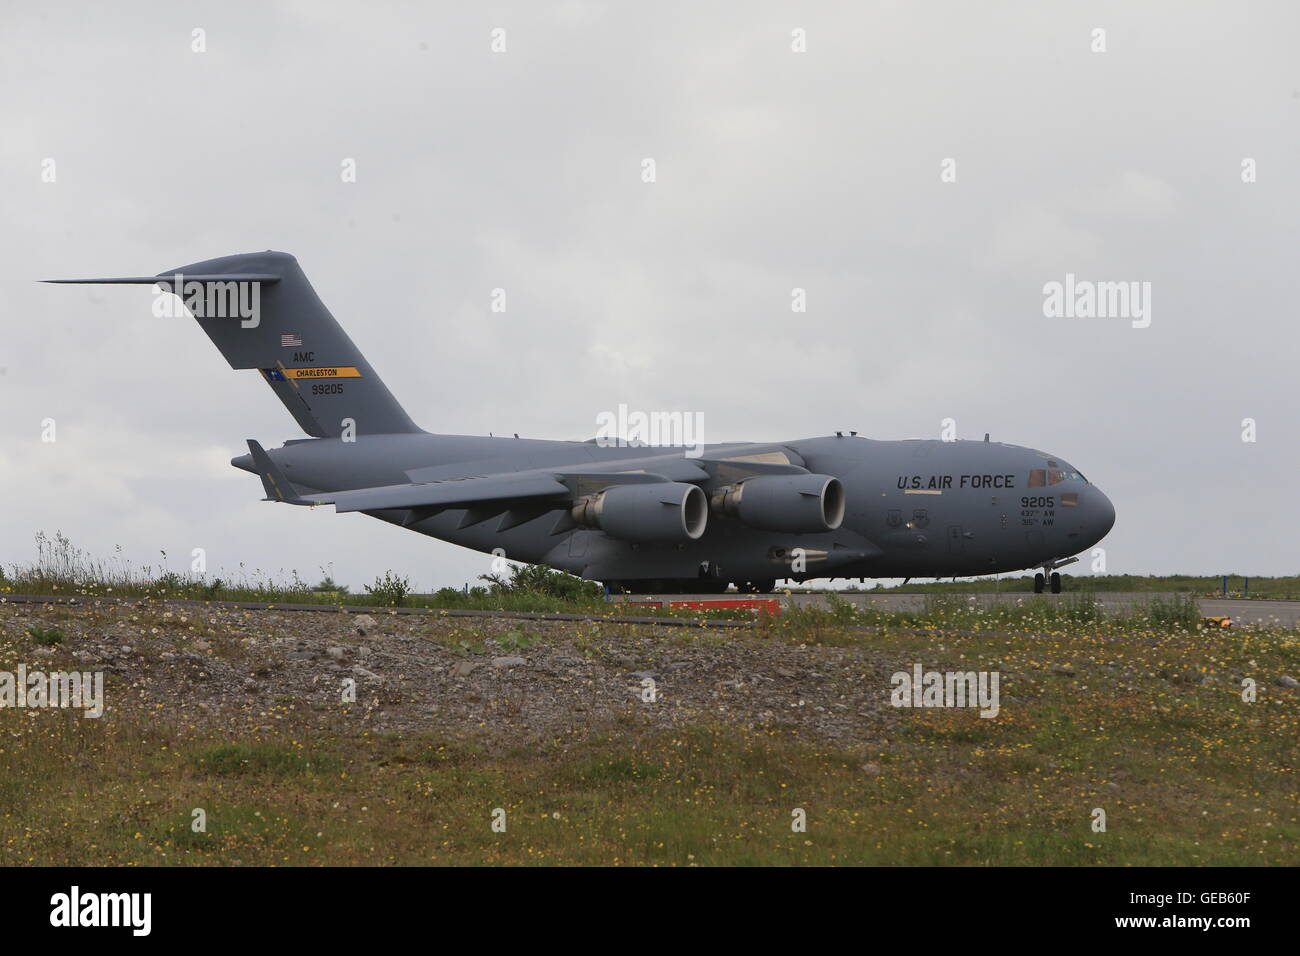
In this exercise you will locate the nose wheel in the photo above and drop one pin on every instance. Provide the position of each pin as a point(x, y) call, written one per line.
point(1053, 580)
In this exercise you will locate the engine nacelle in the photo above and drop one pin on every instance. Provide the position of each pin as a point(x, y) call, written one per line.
point(794, 504)
point(654, 511)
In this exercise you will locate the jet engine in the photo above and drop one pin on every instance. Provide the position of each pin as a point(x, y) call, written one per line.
point(654, 511)
point(794, 504)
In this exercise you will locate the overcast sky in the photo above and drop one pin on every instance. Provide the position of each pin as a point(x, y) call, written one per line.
point(775, 170)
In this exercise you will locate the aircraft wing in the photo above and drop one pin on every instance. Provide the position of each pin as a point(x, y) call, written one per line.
point(428, 489)
point(517, 497)
point(522, 496)
point(445, 494)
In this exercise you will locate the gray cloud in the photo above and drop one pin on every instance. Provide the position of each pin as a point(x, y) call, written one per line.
point(776, 170)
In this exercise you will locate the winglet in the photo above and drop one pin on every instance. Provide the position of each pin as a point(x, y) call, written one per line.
point(274, 482)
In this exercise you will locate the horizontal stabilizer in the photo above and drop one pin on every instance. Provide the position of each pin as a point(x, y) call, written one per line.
point(171, 278)
point(274, 482)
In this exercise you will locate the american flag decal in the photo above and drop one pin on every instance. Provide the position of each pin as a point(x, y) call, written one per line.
point(290, 341)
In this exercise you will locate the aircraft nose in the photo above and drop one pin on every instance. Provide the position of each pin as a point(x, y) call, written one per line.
point(1101, 515)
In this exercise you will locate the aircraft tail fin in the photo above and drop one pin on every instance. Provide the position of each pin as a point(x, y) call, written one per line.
point(260, 312)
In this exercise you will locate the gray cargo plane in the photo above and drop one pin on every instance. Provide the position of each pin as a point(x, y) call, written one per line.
point(637, 518)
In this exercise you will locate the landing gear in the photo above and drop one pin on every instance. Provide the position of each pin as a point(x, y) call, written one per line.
point(1041, 579)
point(710, 580)
point(761, 586)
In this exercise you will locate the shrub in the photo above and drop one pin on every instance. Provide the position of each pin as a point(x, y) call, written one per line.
point(389, 590)
point(1176, 613)
point(170, 583)
point(516, 640)
point(539, 579)
point(45, 636)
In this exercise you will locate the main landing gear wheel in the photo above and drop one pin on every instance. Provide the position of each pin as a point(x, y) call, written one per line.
point(1041, 579)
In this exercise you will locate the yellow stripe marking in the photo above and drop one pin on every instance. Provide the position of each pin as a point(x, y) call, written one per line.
point(285, 372)
point(345, 371)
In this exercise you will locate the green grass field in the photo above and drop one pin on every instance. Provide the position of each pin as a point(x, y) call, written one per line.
point(1147, 724)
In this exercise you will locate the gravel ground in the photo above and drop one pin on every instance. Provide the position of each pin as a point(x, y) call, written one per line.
point(502, 682)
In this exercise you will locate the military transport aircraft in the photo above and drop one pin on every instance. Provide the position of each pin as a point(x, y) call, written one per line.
point(637, 518)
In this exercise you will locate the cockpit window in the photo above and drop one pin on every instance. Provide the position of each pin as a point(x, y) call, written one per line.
point(1040, 477)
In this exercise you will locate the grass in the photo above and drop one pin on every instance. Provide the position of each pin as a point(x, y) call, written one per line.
point(260, 758)
point(1137, 712)
point(1151, 728)
point(1264, 587)
point(841, 619)
point(63, 569)
point(45, 636)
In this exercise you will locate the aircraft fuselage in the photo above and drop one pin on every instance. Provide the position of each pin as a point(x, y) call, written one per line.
point(914, 508)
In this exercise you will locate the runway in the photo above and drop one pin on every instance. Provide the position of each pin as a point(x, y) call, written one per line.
point(1276, 613)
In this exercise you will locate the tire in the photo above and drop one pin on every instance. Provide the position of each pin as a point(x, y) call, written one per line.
point(1056, 583)
point(1038, 583)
